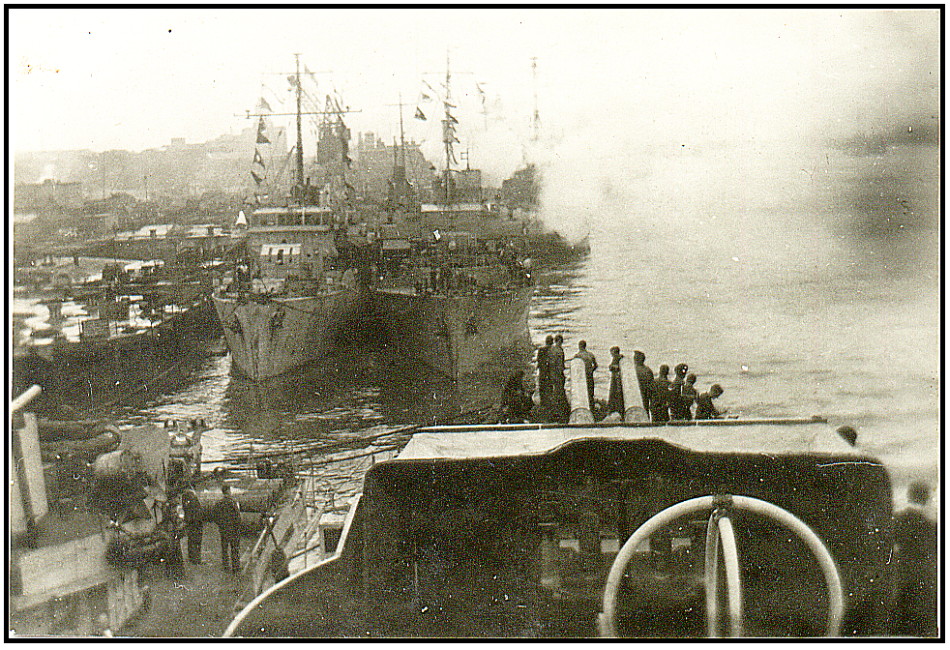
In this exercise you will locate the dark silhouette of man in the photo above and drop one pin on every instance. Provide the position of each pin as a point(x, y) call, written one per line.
point(194, 524)
point(645, 379)
point(660, 404)
point(227, 515)
point(590, 365)
point(560, 407)
point(615, 402)
point(544, 377)
point(688, 395)
point(677, 409)
point(915, 541)
point(705, 409)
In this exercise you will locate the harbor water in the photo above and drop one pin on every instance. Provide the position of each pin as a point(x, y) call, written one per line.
point(804, 284)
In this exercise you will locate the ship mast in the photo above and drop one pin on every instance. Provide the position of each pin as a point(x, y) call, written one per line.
point(299, 192)
point(402, 134)
point(299, 180)
point(448, 132)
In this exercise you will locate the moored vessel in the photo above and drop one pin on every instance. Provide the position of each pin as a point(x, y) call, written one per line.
point(297, 287)
point(459, 312)
point(90, 344)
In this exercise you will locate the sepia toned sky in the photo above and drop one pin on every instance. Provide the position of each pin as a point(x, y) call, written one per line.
point(135, 78)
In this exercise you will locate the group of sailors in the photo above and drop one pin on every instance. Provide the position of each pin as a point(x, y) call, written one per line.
point(664, 399)
point(185, 517)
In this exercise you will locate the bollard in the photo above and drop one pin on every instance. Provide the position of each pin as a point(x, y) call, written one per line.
point(580, 408)
point(632, 398)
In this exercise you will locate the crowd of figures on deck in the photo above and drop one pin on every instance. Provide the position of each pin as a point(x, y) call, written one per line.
point(663, 399)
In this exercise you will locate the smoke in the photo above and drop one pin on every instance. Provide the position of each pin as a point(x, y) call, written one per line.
point(48, 173)
point(696, 120)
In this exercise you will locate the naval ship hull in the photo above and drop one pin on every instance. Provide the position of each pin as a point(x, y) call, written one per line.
point(270, 338)
point(457, 335)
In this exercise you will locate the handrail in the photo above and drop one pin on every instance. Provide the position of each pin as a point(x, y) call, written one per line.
point(730, 557)
point(607, 619)
point(261, 597)
point(712, 575)
point(538, 426)
point(25, 398)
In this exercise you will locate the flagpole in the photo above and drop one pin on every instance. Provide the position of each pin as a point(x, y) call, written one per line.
point(402, 134)
point(299, 179)
point(446, 124)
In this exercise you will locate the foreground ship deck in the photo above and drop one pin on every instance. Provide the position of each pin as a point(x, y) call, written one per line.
point(567, 531)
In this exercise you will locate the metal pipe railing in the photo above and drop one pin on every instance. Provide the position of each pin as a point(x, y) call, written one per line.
point(25, 398)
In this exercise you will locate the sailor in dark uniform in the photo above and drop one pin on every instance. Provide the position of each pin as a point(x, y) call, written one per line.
point(645, 379)
point(915, 538)
point(688, 395)
point(615, 396)
point(560, 407)
point(705, 409)
point(227, 515)
point(544, 377)
point(194, 524)
point(677, 409)
point(660, 405)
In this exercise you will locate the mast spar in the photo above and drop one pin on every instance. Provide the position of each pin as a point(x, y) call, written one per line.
point(448, 132)
point(402, 134)
point(298, 189)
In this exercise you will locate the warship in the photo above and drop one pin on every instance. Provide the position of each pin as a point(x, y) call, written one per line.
point(296, 288)
point(449, 292)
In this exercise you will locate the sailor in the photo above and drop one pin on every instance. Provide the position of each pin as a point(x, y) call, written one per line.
point(171, 525)
point(645, 380)
point(660, 411)
point(227, 515)
point(705, 409)
point(544, 377)
point(915, 538)
point(688, 395)
point(615, 396)
point(590, 365)
point(849, 434)
point(516, 399)
point(194, 524)
point(678, 411)
point(560, 407)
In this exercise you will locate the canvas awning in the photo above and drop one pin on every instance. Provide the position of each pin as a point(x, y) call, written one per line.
point(270, 250)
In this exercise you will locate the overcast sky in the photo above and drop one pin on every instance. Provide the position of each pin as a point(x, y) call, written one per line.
point(135, 78)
